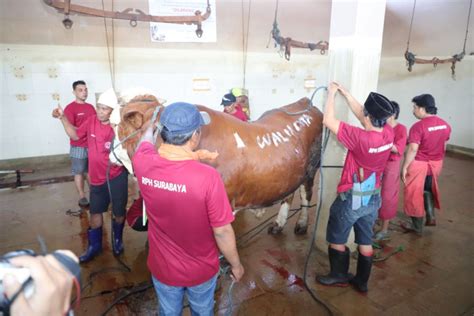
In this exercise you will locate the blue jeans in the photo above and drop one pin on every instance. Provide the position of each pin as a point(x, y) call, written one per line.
point(200, 297)
point(342, 218)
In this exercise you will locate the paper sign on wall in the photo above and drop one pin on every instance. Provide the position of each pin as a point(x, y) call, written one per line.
point(167, 32)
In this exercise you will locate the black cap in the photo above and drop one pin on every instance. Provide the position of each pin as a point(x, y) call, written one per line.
point(228, 99)
point(378, 106)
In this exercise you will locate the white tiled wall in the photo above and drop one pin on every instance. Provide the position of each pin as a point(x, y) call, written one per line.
point(38, 72)
point(27, 129)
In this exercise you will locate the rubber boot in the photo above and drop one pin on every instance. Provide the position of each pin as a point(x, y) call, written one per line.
point(364, 267)
point(429, 208)
point(417, 224)
point(415, 227)
point(339, 262)
point(117, 243)
point(94, 236)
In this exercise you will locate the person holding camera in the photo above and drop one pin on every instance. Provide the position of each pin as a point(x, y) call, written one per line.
point(52, 285)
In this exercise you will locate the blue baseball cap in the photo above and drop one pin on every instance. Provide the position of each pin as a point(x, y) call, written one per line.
point(183, 118)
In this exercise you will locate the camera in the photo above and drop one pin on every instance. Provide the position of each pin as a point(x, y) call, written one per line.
point(23, 275)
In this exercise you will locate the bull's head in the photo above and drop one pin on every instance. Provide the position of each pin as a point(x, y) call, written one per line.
point(135, 117)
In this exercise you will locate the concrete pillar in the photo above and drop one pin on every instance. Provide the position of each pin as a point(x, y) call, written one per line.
point(355, 45)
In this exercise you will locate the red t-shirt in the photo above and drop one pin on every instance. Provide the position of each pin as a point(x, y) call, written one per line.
point(239, 113)
point(431, 133)
point(184, 200)
point(99, 139)
point(400, 141)
point(366, 149)
point(78, 113)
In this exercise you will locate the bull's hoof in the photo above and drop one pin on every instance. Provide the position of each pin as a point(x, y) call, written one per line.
point(301, 229)
point(274, 229)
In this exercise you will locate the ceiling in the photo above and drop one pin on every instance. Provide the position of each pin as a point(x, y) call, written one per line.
point(438, 29)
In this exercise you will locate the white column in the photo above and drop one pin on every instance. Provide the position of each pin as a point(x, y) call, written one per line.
point(355, 45)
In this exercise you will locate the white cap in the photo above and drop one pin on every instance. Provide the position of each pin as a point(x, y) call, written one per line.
point(108, 98)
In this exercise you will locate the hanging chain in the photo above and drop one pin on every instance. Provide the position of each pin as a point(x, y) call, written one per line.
point(411, 24)
point(467, 27)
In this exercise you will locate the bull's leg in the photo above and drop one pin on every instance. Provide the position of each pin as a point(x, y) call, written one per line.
point(277, 226)
point(306, 193)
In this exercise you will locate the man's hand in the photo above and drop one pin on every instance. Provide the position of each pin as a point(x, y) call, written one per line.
point(237, 272)
point(58, 112)
point(343, 90)
point(333, 87)
point(52, 286)
point(404, 175)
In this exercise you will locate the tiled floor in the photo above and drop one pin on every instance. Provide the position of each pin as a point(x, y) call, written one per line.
point(434, 275)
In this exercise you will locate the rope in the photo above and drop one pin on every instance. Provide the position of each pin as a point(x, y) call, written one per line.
point(127, 268)
point(229, 298)
point(411, 24)
point(245, 41)
point(318, 212)
point(467, 27)
point(111, 60)
point(276, 12)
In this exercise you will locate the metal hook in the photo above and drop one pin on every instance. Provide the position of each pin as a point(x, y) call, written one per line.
point(199, 31)
point(67, 22)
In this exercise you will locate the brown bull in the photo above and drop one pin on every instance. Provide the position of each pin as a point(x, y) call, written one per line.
point(261, 162)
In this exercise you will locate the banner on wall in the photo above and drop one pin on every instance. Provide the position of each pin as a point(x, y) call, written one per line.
point(181, 33)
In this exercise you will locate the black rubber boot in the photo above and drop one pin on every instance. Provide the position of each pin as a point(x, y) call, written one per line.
point(429, 208)
point(364, 267)
point(417, 223)
point(117, 243)
point(94, 235)
point(339, 262)
point(415, 227)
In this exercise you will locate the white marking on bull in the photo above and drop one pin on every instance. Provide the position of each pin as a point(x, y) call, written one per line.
point(289, 131)
point(239, 141)
point(278, 137)
point(283, 137)
point(264, 141)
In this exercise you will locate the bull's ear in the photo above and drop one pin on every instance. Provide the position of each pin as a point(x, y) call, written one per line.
point(134, 118)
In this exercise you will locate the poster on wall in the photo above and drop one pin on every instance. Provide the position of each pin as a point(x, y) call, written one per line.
point(167, 32)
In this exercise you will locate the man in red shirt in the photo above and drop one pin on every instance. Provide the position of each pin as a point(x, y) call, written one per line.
point(391, 174)
point(423, 163)
point(103, 175)
point(232, 107)
point(77, 112)
point(358, 191)
point(189, 213)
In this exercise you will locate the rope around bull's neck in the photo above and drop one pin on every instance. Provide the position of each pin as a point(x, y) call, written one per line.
point(153, 118)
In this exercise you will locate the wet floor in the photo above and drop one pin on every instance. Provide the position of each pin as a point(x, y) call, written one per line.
point(431, 275)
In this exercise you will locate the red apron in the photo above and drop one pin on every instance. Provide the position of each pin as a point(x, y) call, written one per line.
point(414, 186)
point(390, 190)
